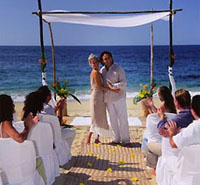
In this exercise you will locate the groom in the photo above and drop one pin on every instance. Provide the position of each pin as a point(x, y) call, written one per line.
point(114, 78)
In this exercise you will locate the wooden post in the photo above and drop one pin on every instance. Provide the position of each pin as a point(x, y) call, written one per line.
point(151, 81)
point(170, 38)
point(53, 56)
point(41, 30)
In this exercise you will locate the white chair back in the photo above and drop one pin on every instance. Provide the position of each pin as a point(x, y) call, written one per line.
point(61, 145)
point(152, 133)
point(17, 161)
point(1, 182)
point(188, 165)
point(42, 136)
point(166, 165)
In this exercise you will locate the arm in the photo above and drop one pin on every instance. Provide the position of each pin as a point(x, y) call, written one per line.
point(19, 137)
point(121, 84)
point(151, 105)
point(163, 121)
point(60, 104)
point(172, 131)
point(96, 77)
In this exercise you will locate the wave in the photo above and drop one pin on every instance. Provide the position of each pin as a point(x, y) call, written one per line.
point(85, 96)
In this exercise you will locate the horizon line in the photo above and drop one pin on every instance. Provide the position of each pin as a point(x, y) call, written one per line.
point(103, 45)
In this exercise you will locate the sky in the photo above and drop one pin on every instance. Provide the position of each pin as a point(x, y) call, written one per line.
point(19, 27)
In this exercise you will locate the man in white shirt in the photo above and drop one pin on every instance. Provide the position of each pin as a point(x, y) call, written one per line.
point(114, 78)
point(190, 135)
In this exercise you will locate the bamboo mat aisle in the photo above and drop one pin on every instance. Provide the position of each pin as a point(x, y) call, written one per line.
point(105, 164)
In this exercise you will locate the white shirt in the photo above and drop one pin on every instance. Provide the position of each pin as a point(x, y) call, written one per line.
point(189, 136)
point(116, 76)
point(48, 109)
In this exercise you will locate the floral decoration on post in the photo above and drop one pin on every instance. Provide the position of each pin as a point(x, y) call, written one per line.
point(43, 63)
point(145, 92)
point(62, 91)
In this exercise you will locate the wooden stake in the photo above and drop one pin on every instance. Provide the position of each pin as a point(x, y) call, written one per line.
point(151, 81)
point(41, 30)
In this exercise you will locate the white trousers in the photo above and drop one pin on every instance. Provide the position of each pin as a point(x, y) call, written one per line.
point(119, 120)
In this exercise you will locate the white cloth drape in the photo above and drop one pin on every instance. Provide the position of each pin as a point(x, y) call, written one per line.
point(110, 21)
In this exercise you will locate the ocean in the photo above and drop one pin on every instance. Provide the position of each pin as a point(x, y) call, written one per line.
point(20, 71)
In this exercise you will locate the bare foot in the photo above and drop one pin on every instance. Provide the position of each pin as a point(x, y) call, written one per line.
point(153, 171)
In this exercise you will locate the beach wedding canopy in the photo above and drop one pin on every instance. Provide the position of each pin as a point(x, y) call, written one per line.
point(108, 19)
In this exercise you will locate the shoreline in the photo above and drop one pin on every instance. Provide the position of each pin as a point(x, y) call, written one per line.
point(86, 97)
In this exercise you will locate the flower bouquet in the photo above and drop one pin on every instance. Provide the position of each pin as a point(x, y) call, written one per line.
point(145, 92)
point(62, 91)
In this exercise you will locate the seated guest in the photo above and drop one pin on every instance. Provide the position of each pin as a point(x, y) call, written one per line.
point(32, 104)
point(7, 109)
point(190, 135)
point(167, 101)
point(183, 118)
point(48, 109)
point(153, 139)
point(67, 133)
point(180, 169)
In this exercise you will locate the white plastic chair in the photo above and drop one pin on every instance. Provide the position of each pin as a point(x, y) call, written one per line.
point(61, 145)
point(152, 133)
point(18, 163)
point(1, 182)
point(68, 134)
point(188, 165)
point(42, 136)
point(165, 167)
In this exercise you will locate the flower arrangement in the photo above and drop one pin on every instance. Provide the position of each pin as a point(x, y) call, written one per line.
point(145, 92)
point(62, 90)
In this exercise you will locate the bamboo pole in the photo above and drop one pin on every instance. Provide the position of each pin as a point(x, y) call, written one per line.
point(151, 81)
point(53, 56)
point(170, 35)
point(87, 12)
point(171, 61)
point(53, 53)
point(41, 30)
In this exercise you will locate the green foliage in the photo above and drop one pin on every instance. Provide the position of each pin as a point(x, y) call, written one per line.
point(62, 91)
point(145, 92)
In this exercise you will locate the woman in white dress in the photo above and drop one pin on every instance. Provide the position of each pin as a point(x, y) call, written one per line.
point(99, 123)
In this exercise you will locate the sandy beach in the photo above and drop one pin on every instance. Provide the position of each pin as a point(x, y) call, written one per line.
point(75, 110)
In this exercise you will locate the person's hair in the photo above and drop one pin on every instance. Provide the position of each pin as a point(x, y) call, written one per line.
point(45, 92)
point(165, 96)
point(6, 108)
point(33, 103)
point(102, 54)
point(196, 104)
point(91, 56)
point(183, 98)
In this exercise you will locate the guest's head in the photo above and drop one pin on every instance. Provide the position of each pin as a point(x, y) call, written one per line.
point(196, 106)
point(93, 61)
point(182, 99)
point(106, 58)
point(45, 94)
point(7, 108)
point(33, 103)
point(165, 96)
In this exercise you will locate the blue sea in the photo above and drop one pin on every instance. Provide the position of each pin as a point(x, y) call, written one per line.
point(20, 71)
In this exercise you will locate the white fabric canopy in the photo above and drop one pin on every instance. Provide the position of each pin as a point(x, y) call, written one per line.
point(110, 21)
